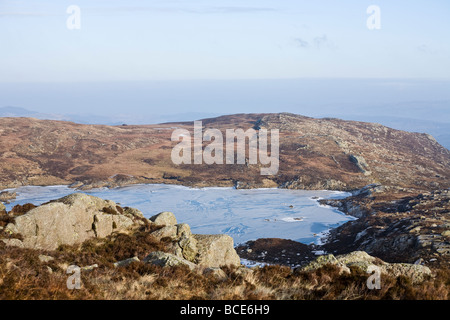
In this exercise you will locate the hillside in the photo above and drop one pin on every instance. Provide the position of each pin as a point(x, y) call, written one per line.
point(314, 154)
point(50, 250)
point(402, 209)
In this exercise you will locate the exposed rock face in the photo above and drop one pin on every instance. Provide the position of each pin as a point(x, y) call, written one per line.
point(356, 154)
point(361, 163)
point(362, 260)
point(395, 225)
point(5, 196)
point(166, 232)
point(13, 242)
point(126, 262)
point(195, 250)
point(79, 217)
point(394, 229)
point(184, 244)
point(416, 272)
point(187, 243)
point(216, 250)
point(2, 208)
point(320, 262)
point(164, 218)
point(164, 259)
point(204, 250)
point(69, 220)
point(369, 190)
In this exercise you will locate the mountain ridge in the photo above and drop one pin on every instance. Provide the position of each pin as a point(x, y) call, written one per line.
point(314, 154)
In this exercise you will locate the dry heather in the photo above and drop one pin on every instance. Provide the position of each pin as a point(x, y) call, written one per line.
point(24, 276)
point(314, 154)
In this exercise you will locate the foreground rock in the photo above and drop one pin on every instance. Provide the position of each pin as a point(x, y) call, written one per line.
point(79, 217)
point(6, 196)
point(70, 220)
point(394, 224)
point(164, 259)
point(395, 227)
point(361, 260)
point(165, 218)
point(204, 250)
point(126, 262)
point(216, 250)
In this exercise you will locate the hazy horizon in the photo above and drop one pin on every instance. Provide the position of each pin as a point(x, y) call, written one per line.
point(139, 61)
point(310, 97)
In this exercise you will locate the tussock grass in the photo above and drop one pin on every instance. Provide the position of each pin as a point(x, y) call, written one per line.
point(24, 276)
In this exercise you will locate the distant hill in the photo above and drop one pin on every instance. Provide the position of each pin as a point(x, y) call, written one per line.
point(439, 130)
point(21, 112)
point(314, 154)
point(112, 120)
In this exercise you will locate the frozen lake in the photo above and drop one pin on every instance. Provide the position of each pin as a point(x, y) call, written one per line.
point(242, 214)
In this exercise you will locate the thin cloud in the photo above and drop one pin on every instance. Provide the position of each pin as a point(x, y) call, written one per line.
point(426, 49)
point(137, 9)
point(318, 42)
point(26, 14)
point(238, 9)
point(199, 10)
point(323, 42)
point(301, 43)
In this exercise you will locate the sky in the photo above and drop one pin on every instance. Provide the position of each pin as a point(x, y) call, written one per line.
point(224, 56)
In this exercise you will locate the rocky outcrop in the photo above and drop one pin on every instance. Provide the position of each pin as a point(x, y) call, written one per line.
point(70, 220)
point(126, 262)
point(305, 183)
point(216, 250)
point(164, 259)
point(184, 244)
point(393, 224)
point(370, 190)
point(13, 243)
point(164, 218)
point(166, 232)
point(6, 196)
point(204, 250)
point(197, 251)
point(187, 243)
point(361, 260)
point(361, 163)
point(78, 217)
point(394, 229)
point(357, 205)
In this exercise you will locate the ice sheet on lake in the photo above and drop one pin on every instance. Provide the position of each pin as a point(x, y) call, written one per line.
point(243, 214)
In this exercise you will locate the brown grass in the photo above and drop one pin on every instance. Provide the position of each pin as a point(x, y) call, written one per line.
point(24, 276)
point(19, 210)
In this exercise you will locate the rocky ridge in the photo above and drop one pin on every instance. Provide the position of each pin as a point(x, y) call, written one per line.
point(392, 226)
point(414, 228)
point(314, 154)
